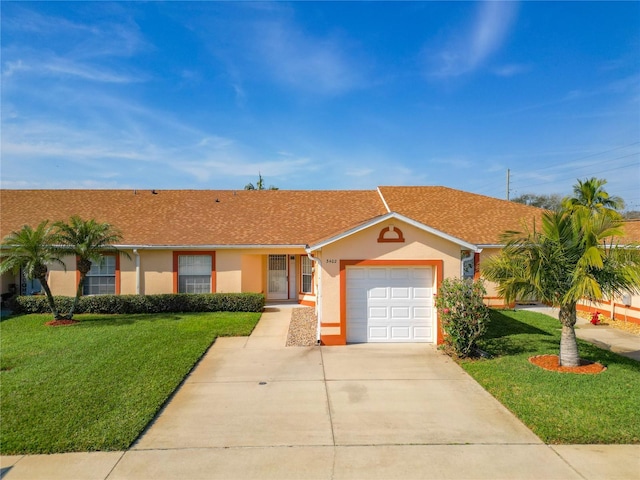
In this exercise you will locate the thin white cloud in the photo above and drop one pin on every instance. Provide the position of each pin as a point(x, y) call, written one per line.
point(274, 47)
point(467, 51)
point(512, 69)
point(299, 59)
point(359, 172)
point(234, 164)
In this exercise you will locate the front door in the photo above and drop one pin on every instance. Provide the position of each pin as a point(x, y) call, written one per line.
point(277, 285)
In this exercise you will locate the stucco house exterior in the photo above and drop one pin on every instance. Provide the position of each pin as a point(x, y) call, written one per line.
point(370, 261)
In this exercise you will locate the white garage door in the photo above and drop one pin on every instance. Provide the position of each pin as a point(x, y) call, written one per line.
point(390, 304)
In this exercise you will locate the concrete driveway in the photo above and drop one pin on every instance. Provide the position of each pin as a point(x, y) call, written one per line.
point(256, 409)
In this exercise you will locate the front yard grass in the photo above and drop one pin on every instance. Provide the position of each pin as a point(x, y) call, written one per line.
point(561, 408)
point(96, 385)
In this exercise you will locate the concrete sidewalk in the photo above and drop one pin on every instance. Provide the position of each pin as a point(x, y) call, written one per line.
point(254, 408)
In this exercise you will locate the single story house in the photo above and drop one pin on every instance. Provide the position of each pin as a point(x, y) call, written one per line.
point(370, 261)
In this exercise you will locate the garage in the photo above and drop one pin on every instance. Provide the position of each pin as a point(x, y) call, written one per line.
point(389, 304)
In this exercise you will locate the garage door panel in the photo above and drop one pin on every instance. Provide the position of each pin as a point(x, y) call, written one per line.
point(422, 273)
point(378, 313)
point(422, 293)
point(395, 273)
point(423, 313)
point(389, 304)
point(400, 313)
point(376, 273)
point(422, 332)
point(400, 292)
point(401, 333)
point(356, 273)
point(380, 293)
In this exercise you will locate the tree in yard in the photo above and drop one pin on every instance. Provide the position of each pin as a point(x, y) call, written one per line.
point(573, 255)
point(548, 202)
point(589, 196)
point(88, 240)
point(31, 250)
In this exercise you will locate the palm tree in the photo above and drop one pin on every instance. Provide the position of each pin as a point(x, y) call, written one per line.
point(88, 240)
point(590, 196)
point(571, 257)
point(31, 250)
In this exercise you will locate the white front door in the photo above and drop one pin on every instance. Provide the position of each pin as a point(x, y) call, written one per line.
point(277, 285)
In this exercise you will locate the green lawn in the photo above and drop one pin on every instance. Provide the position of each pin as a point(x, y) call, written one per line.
point(97, 384)
point(560, 408)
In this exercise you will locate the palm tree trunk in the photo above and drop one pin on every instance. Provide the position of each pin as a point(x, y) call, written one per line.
point(78, 295)
point(50, 301)
point(569, 356)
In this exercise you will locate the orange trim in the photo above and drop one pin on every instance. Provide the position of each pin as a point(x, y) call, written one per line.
point(118, 274)
point(620, 305)
point(177, 253)
point(382, 238)
point(342, 338)
point(476, 266)
point(307, 303)
point(332, 324)
point(605, 308)
point(332, 340)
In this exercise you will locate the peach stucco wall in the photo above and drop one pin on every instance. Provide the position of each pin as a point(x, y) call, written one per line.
point(156, 272)
point(228, 271)
point(364, 245)
point(128, 274)
point(253, 276)
point(63, 282)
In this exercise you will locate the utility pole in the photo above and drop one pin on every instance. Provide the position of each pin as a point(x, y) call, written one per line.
point(508, 174)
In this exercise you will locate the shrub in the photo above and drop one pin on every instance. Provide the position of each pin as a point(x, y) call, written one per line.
point(463, 315)
point(130, 304)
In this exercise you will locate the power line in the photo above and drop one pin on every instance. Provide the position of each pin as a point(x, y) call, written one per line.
point(593, 155)
point(588, 174)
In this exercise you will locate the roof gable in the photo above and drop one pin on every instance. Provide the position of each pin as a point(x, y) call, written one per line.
point(470, 217)
point(388, 216)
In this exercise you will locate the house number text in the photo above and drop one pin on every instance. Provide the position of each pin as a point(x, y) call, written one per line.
point(332, 260)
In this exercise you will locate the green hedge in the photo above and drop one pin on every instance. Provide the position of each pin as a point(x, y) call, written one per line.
point(172, 302)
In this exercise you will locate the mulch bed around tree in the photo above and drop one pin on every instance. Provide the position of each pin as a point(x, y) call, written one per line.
point(552, 362)
point(59, 323)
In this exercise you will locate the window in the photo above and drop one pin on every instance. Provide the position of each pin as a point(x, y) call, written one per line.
point(307, 275)
point(194, 273)
point(101, 279)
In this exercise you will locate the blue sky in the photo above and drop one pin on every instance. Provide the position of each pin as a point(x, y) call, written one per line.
point(321, 95)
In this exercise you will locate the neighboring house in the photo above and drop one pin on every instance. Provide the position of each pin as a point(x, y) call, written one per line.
point(371, 261)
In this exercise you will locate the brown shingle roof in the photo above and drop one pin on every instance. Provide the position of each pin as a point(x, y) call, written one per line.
point(631, 231)
point(474, 218)
point(194, 217)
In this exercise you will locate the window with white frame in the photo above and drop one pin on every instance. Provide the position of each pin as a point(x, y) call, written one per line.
point(307, 275)
point(194, 273)
point(101, 279)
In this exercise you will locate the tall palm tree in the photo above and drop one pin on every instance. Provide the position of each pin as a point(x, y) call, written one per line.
point(571, 257)
point(31, 250)
point(590, 196)
point(88, 240)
